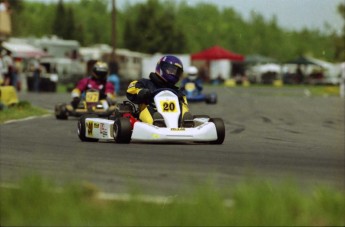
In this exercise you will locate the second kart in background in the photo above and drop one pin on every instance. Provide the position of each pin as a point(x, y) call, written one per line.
point(192, 87)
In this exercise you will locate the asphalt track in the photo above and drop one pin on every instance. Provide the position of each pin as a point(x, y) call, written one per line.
point(271, 133)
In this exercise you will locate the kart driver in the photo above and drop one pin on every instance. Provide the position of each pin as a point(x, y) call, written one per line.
point(192, 77)
point(168, 72)
point(97, 81)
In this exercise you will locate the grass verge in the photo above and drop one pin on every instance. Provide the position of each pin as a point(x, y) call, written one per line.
point(19, 111)
point(36, 203)
point(314, 90)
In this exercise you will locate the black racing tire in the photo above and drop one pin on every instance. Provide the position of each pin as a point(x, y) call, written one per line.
point(220, 128)
point(200, 116)
point(122, 130)
point(61, 112)
point(207, 99)
point(82, 128)
point(211, 99)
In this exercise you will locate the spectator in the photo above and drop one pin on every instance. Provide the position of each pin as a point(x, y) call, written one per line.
point(9, 68)
point(299, 75)
point(36, 74)
point(342, 80)
point(2, 71)
point(113, 77)
point(4, 6)
point(115, 80)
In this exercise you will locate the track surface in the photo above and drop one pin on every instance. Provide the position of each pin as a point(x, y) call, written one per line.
point(274, 133)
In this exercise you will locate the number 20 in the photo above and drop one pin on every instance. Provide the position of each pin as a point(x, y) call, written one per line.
point(168, 107)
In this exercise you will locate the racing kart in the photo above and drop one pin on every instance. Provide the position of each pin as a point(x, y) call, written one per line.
point(90, 103)
point(194, 95)
point(124, 126)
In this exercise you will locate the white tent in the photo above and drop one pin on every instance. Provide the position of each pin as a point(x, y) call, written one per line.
point(220, 68)
point(23, 50)
point(331, 72)
point(268, 68)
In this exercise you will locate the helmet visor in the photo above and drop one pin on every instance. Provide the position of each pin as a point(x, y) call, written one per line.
point(171, 69)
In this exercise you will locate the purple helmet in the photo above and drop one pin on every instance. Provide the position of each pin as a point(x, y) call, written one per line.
point(170, 68)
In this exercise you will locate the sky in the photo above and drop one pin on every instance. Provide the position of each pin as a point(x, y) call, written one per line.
point(291, 14)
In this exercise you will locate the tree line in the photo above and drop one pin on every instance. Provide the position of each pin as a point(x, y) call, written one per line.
point(170, 27)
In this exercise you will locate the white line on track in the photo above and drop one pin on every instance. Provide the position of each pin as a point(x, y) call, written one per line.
point(26, 119)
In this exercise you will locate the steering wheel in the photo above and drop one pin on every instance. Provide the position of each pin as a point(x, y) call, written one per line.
point(155, 92)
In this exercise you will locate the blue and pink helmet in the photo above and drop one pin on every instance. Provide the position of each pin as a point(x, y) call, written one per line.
point(170, 68)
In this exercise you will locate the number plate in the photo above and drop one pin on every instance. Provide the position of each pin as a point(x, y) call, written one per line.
point(169, 106)
point(92, 97)
point(190, 86)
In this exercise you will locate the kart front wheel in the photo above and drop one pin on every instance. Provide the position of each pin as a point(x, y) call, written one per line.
point(220, 127)
point(82, 128)
point(122, 130)
point(61, 112)
point(211, 98)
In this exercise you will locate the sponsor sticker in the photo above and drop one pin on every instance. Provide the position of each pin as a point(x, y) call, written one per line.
point(177, 129)
point(89, 126)
point(103, 130)
point(155, 136)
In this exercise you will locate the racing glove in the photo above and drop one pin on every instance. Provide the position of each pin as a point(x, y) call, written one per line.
point(110, 99)
point(144, 96)
point(75, 102)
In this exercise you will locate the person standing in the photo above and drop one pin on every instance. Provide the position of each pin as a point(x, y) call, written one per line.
point(2, 71)
point(36, 74)
point(9, 68)
point(342, 80)
point(115, 80)
point(113, 76)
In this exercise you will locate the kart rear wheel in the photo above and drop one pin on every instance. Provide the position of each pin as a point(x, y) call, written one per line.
point(201, 116)
point(82, 128)
point(122, 130)
point(61, 112)
point(220, 127)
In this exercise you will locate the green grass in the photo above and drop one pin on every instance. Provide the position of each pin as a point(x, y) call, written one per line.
point(21, 110)
point(64, 88)
point(259, 203)
point(324, 90)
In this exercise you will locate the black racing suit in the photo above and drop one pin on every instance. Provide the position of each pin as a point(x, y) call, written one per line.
point(140, 92)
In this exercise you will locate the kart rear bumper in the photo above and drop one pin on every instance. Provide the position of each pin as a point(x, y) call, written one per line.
point(196, 98)
point(98, 112)
point(144, 132)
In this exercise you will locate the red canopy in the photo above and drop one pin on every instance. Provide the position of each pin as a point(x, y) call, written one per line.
point(217, 53)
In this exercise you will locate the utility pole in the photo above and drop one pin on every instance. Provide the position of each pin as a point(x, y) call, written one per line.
point(113, 60)
point(113, 29)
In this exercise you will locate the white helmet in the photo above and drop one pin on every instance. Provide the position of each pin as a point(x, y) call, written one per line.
point(192, 72)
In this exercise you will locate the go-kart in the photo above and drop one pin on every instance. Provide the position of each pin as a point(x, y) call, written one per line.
point(194, 95)
point(125, 126)
point(90, 103)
